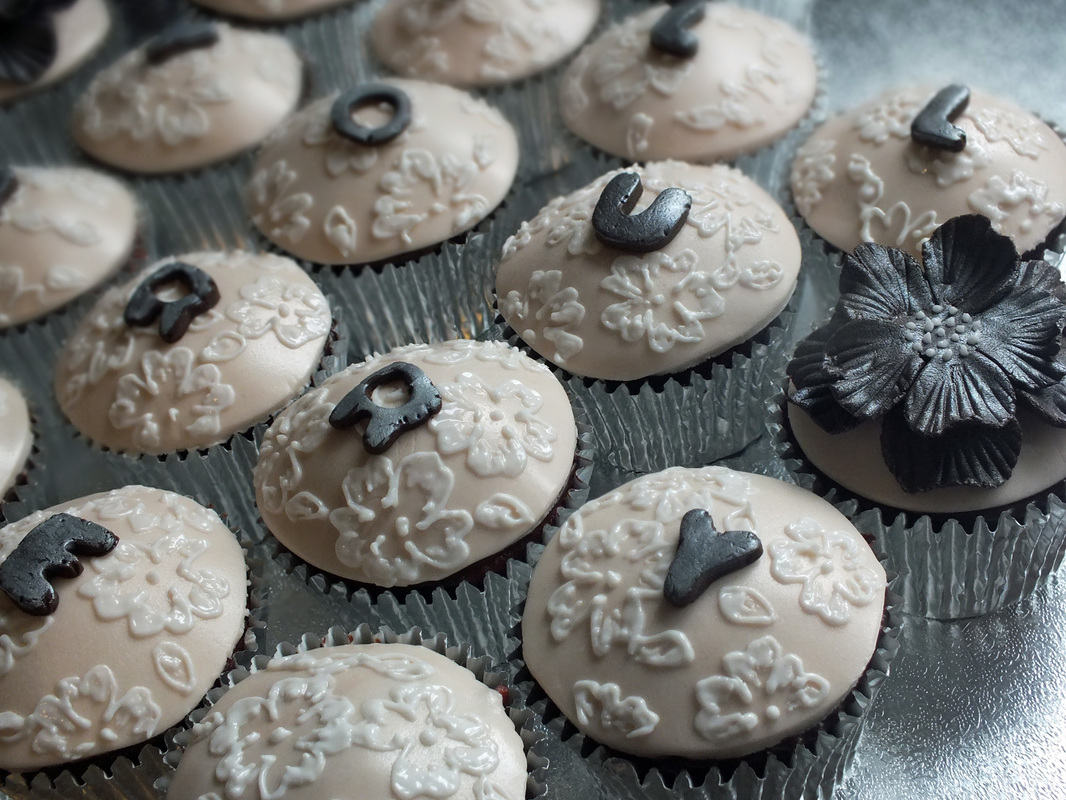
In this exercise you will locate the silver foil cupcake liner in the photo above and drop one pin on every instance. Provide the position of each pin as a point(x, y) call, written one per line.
point(807, 767)
point(353, 594)
point(948, 569)
point(130, 773)
point(479, 665)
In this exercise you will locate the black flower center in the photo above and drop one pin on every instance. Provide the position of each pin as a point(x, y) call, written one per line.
point(942, 332)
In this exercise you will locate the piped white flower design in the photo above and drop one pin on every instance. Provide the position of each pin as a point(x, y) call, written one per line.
point(615, 615)
point(19, 633)
point(812, 172)
point(655, 307)
point(830, 567)
point(83, 712)
point(295, 314)
point(602, 705)
point(1022, 134)
point(172, 107)
point(555, 308)
point(762, 671)
point(197, 397)
point(891, 117)
point(401, 546)
point(340, 153)
point(498, 427)
point(669, 495)
point(284, 215)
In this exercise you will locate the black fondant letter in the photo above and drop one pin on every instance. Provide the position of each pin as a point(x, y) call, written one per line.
point(932, 127)
point(347, 103)
point(704, 556)
point(671, 34)
point(652, 229)
point(175, 316)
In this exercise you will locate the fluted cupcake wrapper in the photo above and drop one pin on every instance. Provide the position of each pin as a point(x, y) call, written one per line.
point(948, 569)
point(480, 665)
point(809, 767)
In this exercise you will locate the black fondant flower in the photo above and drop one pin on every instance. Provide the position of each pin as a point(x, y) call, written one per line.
point(942, 355)
point(28, 43)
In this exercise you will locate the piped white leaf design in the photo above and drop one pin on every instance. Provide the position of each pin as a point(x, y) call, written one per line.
point(175, 667)
point(503, 512)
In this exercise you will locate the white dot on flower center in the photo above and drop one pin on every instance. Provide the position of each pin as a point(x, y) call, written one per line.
point(496, 415)
point(151, 577)
point(428, 737)
point(284, 310)
point(279, 735)
point(658, 300)
point(827, 567)
point(773, 712)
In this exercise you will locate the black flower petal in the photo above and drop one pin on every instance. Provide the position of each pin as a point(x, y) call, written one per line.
point(1041, 275)
point(969, 455)
point(812, 383)
point(873, 364)
point(28, 47)
point(965, 390)
point(1049, 403)
point(1021, 334)
point(969, 265)
point(882, 283)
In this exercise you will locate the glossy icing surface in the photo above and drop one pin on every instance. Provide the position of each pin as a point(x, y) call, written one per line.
point(194, 109)
point(16, 435)
point(398, 721)
point(752, 79)
point(127, 389)
point(333, 201)
point(478, 476)
point(860, 177)
point(64, 231)
point(764, 653)
point(269, 10)
point(80, 30)
point(853, 459)
point(473, 43)
point(137, 638)
point(602, 313)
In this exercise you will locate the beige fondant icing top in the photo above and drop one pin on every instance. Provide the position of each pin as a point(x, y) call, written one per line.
point(860, 177)
point(193, 109)
point(474, 43)
point(752, 79)
point(378, 721)
point(62, 232)
point(602, 313)
point(127, 389)
point(853, 459)
point(79, 30)
point(764, 653)
point(328, 199)
point(136, 639)
point(475, 478)
point(270, 10)
point(16, 435)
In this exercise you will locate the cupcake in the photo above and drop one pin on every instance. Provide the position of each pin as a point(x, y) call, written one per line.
point(16, 435)
point(63, 231)
point(938, 389)
point(45, 40)
point(396, 719)
point(894, 170)
point(648, 271)
point(690, 80)
point(701, 615)
point(193, 350)
point(381, 171)
point(469, 43)
point(195, 95)
point(420, 464)
point(118, 611)
point(270, 10)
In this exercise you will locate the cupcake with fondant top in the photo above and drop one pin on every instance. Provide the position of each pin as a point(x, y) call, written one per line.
point(397, 720)
point(898, 167)
point(417, 464)
point(939, 388)
point(470, 43)
point(270, 10)
point(63, 231)
point(648, 271)
point(193, 350)
point(16, 435)
point(691, 80)
point(708, 614)
point(118, 611)
point(42, 41)
point(196, 94)
point(380, 171)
